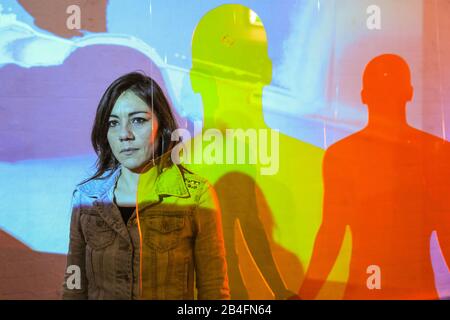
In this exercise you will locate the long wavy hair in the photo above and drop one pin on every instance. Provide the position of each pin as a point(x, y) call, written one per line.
point(151, 93)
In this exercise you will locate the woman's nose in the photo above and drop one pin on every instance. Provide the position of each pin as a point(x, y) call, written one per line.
point(125, 132)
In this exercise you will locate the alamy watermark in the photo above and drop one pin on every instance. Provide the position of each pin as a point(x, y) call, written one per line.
point(258, 147)
point(74, 280)
point(373, 21)
point(374, 280)
point(73, 21)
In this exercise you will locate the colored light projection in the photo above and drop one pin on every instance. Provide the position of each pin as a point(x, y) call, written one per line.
point(387, 183)
point(348, 201)
point(230, 68)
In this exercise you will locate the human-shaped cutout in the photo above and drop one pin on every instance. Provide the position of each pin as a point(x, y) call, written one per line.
point(230, 68)
point(389, 184)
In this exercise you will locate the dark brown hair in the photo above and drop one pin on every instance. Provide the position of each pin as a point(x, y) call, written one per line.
point(151, 93)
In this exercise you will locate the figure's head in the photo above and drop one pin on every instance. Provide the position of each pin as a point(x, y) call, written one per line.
point(133, 124)
point(387, 82)
point(229, 49)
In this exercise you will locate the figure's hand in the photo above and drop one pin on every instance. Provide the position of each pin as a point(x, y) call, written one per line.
point(287, 295)
point(294, 297)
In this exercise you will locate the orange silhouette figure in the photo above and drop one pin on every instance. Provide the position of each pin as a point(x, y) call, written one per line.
point(390, 184)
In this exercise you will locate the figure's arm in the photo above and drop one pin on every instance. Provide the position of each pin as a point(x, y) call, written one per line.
point(326, 249)
point(331, 232)
point(209, 252)
point(443, 233)
point(259, 247)
point(440, 194)
point(241, 198)
point(73, 288)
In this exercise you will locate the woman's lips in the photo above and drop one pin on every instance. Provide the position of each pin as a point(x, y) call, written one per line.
point(128, 151)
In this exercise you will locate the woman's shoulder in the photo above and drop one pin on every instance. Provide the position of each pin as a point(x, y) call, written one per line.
point(96, 187)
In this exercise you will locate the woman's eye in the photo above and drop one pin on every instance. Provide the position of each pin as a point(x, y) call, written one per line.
point(139, 120)
point(112, 123)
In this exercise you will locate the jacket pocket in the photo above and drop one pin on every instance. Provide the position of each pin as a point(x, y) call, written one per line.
point(98, 234)
point(162, 232)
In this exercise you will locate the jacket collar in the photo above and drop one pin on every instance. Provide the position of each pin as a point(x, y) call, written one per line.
point(169, 182)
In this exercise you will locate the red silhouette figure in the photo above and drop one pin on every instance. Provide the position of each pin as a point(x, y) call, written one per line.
point(390, 184)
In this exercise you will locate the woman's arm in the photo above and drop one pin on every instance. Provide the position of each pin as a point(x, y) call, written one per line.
point(75, 283)
point(211, 269)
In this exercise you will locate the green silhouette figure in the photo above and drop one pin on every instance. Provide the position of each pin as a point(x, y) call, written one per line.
point(280, 175)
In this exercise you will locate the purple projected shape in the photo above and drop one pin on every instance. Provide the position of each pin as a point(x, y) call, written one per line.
point(48, 112)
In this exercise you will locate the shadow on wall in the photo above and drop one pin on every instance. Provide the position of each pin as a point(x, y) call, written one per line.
point(389, 184)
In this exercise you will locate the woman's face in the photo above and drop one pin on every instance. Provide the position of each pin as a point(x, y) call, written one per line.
point(132, 132)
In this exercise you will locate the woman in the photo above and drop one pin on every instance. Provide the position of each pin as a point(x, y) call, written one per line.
point(120, 251)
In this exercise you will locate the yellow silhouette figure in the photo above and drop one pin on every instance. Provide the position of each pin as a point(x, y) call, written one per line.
point(230, 68)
